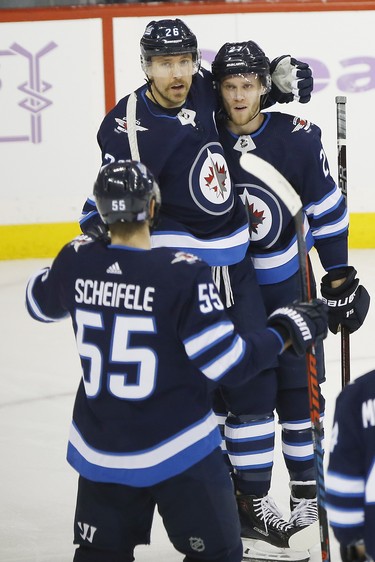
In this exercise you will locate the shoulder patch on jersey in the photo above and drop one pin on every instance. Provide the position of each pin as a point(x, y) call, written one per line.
point(185, 256)
point(122, 126)
point(301, 124)
point(80, 241)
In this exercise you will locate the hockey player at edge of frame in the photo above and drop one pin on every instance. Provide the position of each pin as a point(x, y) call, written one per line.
point(153, 336)
point(168, 124)
point(293, 146)
point(350, 481)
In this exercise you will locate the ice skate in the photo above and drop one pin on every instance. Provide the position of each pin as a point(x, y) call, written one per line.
point(303, 503)
point(261, 551)
point(261, 520)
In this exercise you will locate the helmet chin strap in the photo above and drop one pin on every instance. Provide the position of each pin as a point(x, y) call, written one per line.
point(253, 117)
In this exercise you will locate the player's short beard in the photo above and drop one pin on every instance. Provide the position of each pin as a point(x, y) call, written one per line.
point(163, 96)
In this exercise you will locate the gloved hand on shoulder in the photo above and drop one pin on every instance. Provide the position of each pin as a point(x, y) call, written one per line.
point(96, 229)
point(292, 80)
point(348, 304)
point(302, 322)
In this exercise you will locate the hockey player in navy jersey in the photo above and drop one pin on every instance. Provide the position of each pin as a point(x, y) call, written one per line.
point(169, 124)
point(154, 340)
point(293, 146)
point(350, 480)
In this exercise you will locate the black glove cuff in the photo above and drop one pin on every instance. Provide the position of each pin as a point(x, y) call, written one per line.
point(348, 272)
point(338, 273)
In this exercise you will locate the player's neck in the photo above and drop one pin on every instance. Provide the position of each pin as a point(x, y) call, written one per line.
point(248, 128)
point(140, 239)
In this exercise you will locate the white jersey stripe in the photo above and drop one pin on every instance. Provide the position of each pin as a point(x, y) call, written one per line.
point(143, 459)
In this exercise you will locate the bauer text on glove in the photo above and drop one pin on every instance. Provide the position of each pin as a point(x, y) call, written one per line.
point(348, 304)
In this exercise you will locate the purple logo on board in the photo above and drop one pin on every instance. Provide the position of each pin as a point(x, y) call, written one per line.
point(35, 87)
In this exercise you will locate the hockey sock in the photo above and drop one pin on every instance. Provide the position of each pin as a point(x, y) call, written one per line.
point(298, 450)
point(250, 444)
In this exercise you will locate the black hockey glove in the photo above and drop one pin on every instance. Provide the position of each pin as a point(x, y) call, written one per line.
point(348, 304)
point(303, 322)
point(292, 80)
point(350, 554)
point(96, 229)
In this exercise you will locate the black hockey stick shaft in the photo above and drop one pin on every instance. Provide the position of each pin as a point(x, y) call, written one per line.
point(280, 185)
point(343, 185)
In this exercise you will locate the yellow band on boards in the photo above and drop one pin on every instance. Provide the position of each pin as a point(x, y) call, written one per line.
point(23, 241)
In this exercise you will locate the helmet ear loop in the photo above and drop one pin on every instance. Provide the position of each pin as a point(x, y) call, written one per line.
point(266, 88)
point(197, 63)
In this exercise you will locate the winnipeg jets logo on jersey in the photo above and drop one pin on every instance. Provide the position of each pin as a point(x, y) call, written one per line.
point(185, 256)
point(216, 178)
point(122, 126)
point(80, 241)
point(187, 117)
point(301, 124)
point(244, 144)
point(209, 181)
point(265, 214)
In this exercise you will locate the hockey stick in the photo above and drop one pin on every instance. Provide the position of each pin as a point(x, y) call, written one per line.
point(342, 182)
point(280, 185)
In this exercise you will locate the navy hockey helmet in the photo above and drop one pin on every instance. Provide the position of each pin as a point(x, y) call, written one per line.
point(123, 193)
point(242, 58)
point(168, 37)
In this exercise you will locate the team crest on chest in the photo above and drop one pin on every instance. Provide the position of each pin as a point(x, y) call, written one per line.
point(264, 212)
point(210, 183)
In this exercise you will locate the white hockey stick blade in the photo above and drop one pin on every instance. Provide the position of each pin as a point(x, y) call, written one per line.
point(264, 171)
point(261, 551)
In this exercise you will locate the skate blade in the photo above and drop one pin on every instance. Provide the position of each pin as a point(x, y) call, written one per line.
point(260, 551)
point(305, 538)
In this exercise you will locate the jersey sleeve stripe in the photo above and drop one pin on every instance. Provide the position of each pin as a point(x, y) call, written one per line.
point(225, 361)
point(332, 229)
point(31, 302)
point(198, 344)
point(341, 485)
point(345, 517)
point(326, 205)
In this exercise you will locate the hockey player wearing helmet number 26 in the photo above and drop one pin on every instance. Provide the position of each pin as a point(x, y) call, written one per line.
point(169, 125)
point(153, 339)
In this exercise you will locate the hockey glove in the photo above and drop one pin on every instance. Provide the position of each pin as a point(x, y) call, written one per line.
point(348, 304)
point(351, 553)
point(303, 322)
point(292, 80)
point(96, 229)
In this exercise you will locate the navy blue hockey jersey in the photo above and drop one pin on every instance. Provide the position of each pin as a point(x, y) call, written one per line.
point(293, 146)
point(350, 480)
point(153, 340)
point(181, 147)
